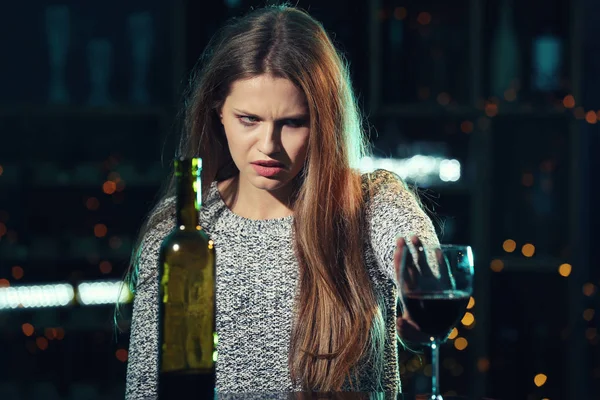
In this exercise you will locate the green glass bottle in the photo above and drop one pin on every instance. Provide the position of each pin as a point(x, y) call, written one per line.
point(187, 332)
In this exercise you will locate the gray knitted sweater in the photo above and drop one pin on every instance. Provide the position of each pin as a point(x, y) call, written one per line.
point(256, 282)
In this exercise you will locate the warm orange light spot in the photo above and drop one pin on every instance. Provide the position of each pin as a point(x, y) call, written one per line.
point(591, 117)
point(42, 343)
point(539, 380)
point(4, 283)
point(60, 333)
point(1, 170)
point(17, 272)
point(400, 13)
point(510, 94)
point(589, 289)
point(28, 329)
point(471, 303)
point(50, 333)
point(424, 18)
point(461, 343)
point(468, 319)
point(483, 365)
point(453, 333)
point(92, 204)
point(491, 110)
point(497, 265)
point(105, 267)
point(466, 126)
point(121, 355)
point(588, 314)
point(2, 229)
point(100, 230)
point(527, 179)
point(565, 270)
point(528, 250)
point(109, 187)
point(591, 333)
point(509, 245)
point(569, 101)
point(443, 98)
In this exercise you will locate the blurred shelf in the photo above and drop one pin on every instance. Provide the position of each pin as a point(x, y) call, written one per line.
point(16, 254)
point(77, 185)
point(71, 319)
point(78, 111)
point(115, 260)
point(425, 109)
point(86, 175)
point(435, 110)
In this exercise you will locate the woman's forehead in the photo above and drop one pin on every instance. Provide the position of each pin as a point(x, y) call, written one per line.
point(267, 94)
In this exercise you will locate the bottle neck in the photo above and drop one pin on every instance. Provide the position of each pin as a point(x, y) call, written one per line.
point(189, 199)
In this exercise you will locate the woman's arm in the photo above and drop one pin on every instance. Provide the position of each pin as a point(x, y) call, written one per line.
point(393, 211)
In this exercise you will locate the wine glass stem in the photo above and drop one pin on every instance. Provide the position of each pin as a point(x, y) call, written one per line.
point(435, 369)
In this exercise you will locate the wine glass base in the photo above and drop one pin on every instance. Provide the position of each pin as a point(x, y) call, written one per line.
point(436, 397)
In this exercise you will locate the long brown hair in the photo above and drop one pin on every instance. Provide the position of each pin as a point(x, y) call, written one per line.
point(338, 321)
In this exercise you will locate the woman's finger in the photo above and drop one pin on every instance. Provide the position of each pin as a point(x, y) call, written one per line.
point(421, 257)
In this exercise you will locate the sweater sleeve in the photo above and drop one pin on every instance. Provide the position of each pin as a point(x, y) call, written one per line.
point(142, 367)
point(393, 211)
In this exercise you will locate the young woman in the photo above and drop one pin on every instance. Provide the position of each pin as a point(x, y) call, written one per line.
point(306, 246)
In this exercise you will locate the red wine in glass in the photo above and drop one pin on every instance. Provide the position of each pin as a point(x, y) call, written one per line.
point(435, 291)
point(437, 313)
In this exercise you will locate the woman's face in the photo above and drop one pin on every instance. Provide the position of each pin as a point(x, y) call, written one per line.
point(266, 120)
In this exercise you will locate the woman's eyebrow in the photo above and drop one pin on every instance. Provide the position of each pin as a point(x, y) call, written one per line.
point(301, 115)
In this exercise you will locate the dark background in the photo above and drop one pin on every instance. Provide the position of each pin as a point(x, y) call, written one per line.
point(451, 79)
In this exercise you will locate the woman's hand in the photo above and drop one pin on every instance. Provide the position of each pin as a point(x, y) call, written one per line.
point(408, 330)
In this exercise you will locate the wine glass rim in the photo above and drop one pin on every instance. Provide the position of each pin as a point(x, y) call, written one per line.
point(451, 245)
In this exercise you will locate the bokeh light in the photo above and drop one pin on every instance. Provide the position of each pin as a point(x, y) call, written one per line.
point(540, 380)
point(565, 270)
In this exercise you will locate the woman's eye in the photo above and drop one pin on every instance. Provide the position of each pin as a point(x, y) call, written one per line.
point(295, 123)
point(248, 120)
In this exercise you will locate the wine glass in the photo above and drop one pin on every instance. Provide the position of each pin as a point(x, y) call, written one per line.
point(435, 290)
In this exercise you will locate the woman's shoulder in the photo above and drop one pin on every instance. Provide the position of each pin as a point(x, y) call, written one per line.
point(382, 182)
point(160, 222)
point(163, 214)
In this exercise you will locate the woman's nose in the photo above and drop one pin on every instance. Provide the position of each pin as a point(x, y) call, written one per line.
point(270, 140)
